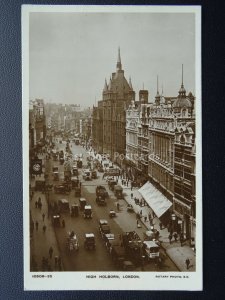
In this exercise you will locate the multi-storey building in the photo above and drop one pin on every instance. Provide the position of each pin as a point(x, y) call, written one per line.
point(116, 97)
point(37, 125)
point(132, 119)
point(161, 145)
point(143, 138)
point(184, 202)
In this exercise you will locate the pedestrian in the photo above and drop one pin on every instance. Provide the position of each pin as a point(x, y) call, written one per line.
point(118, 206)
point(63, 223)
point(170, 237)
point(146, 218)
point(44, 228)
point(131, 195)
point(153, 214)
point(137, 201)
point(137, 223)
point(141, 213)
point(175, 236)
point(50, 252)
point(181, 239)
point(56, 260)
point(43, 217)
point(187, 261)
point(36, 225)
point(149, 217)
point(36, 204)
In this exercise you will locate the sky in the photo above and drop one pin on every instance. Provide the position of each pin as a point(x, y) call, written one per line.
point(71, 54)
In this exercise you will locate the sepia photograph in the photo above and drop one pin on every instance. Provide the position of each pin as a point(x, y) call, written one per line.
point(112, 173)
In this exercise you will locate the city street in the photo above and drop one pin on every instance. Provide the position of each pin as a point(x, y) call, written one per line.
point(98, 259)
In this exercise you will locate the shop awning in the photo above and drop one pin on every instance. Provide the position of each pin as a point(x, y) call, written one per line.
point(155, 199)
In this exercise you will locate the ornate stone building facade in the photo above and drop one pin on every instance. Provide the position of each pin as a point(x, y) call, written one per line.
point(132, 120)
point(116, 97)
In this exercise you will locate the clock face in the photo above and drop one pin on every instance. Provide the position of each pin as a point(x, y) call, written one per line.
point(36, 166)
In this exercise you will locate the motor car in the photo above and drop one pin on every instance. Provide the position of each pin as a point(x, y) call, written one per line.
point(61, 189)
point(63, 205)
point(56, 176)
point(83, 202)
point(101, 191)
point(89, 242)
point(118, 191)
point(72, 241)
point(151, 250)
point(87, 212)
point(94, 174)
point(74, 182)
point(75, 171)
point(112, 213)
point(101, 201)
point(56, 221)
point(74, 210)
point(111, 184)
point(130, 208)
point(104, 228)
point(87, 174)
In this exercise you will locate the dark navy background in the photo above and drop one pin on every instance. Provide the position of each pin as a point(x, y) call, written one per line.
point(11, 210)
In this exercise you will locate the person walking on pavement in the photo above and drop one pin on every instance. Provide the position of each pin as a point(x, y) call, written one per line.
point(187, 262)
point(43, 217)
point(50, 252)
point(36, 225)
point(181, 239)
point(170, 237)
point(175, 236)
point(56, 260)
point(44, 228)
point(146, 218)
point(131, 195)
point(141, 213)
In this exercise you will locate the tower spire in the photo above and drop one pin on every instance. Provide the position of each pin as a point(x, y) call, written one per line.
point(157, 84)
point(119, 65)
point(182, 77)
point(106, 86)
point(130, 84)
point(182, 91)
point(157, 97)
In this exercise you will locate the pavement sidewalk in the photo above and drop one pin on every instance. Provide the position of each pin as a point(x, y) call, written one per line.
point(174, 250)
point(41, 241)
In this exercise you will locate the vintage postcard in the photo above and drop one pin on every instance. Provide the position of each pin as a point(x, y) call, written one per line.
point(112, 170)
